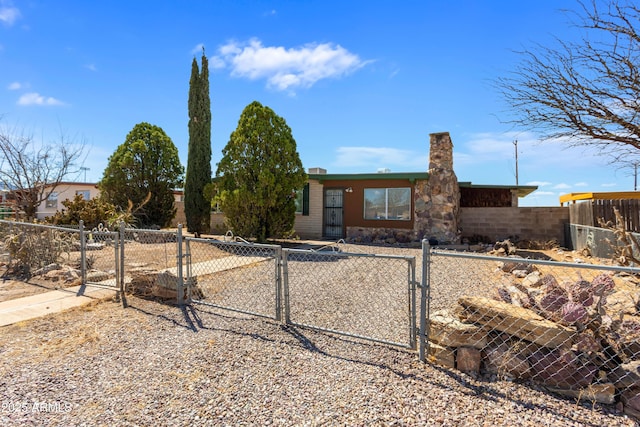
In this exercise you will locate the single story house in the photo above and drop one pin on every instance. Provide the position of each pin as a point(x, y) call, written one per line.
point(393, 207)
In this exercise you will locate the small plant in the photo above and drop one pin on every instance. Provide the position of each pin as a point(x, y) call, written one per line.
point(31, 248)
point(627, 246)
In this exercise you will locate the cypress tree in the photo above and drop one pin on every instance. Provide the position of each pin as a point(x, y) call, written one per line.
point(197, 208)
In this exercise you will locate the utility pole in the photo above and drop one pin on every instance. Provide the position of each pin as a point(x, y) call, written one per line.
point(515, 143)
point(82, 168)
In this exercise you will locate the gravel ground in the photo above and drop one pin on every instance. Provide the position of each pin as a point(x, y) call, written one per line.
point(157, 364)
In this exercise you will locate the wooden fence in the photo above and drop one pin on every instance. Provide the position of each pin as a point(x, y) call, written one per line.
point(589, 212)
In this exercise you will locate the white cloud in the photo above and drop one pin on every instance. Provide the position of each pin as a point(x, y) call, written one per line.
point(197, 49)
point(581, 184)
point(91, 67)
point(380, 157)
point(561, 186)
point(34, 98)
point(14, 86)
point(286, 68)
point(544, 193)
point(539, 183)
point(610, 184)
point(8, 13)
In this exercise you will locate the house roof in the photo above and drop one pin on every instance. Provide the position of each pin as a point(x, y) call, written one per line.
point(610, 195)
point(411, 176)
point(521, 190)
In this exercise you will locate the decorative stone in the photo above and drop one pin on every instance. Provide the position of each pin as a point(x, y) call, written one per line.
point(626, 375)
point(518, 321)
point(506, 361)
point(601, 393)
point(468, 359)
point(449, 331)
point(561, 369)
point(444, 356)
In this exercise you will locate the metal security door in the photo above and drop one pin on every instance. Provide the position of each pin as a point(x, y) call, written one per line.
point(333, 213)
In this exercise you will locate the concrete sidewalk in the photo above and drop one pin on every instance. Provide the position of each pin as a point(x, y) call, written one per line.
point(34, 306)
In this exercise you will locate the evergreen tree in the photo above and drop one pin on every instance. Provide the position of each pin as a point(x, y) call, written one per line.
point(144, 171)
point(258, 175)
point(196, 206)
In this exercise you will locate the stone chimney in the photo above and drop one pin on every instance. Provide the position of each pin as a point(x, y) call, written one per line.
point(437, 201)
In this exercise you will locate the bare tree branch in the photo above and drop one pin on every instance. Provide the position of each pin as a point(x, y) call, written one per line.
point(584, 93)
point(32, 170)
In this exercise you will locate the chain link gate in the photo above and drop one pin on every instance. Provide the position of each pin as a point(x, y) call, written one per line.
point(102, 271)
point(365, 296)
point(237, 276)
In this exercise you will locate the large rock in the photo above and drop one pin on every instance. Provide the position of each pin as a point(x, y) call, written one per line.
point(154, 284)
point(601, 393)
point(517, 321)
point(468, 359)
point(506, 361)
point(626, 375)
point(449, 331)
point(561, 369)
point(631, 400)
point(440, 355)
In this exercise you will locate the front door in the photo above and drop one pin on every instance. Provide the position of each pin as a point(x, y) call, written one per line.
point(333, 213)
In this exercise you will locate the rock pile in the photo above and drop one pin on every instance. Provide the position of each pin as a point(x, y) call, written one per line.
point(579, 339)
point(162, 285)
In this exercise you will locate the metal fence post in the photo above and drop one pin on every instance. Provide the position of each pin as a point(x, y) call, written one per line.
point(122, 272)
point(412, 303)
point(83, 253)
point(180, 279)
point(285, 287)
point(278, 274)
point(425, 296)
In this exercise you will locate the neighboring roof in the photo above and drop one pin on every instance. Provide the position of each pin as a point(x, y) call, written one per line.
point(411, 176)
point(610, 195)
point(521, 190)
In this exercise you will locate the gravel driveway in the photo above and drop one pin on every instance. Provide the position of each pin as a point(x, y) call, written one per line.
point(155, 364)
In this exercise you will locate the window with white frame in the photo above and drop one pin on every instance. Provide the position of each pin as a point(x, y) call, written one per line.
point(85, 194)
point(387, 203)
point(52, 200)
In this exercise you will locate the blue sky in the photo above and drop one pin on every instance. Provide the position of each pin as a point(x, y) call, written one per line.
point(362, 84)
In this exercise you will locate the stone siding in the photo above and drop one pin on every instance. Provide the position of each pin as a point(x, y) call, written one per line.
point(437, 201)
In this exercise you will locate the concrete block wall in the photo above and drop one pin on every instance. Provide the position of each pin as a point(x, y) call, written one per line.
point(527, 223)
point(310, 226)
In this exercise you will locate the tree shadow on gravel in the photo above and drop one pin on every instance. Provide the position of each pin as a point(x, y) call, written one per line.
point(309, 345)
point(295, 337)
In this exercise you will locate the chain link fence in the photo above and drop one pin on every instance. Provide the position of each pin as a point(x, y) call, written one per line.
point(363, 295)
point(65, 256)
point(238, 276)
point(570, 328)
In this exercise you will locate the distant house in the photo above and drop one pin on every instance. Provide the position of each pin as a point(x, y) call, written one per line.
point(66, 191)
